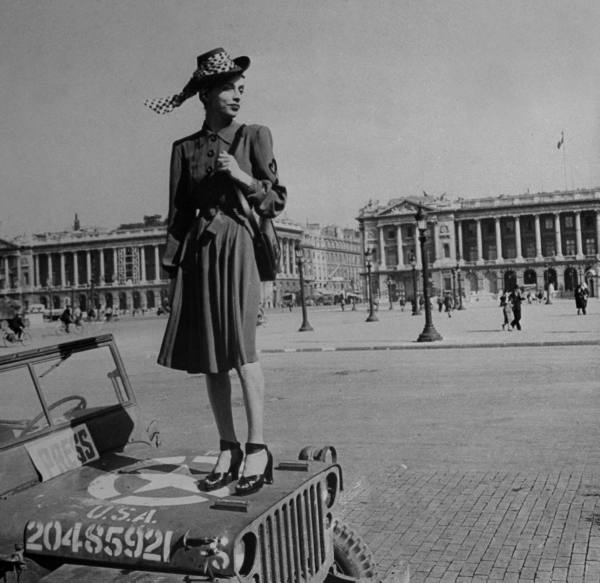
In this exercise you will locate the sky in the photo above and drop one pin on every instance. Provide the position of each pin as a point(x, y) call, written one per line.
point(370, 99)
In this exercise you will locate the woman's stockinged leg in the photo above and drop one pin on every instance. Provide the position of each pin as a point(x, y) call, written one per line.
point(253, 388)
point(219, 395)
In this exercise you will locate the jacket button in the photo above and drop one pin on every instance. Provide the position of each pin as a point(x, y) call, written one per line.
point(210, 153)
point(213, 138)
point(209, 169)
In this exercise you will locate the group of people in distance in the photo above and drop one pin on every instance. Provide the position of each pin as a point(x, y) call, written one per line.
point(511, 305)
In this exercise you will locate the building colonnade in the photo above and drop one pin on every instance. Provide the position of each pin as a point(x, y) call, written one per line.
point(548, 234)
point(479, 239)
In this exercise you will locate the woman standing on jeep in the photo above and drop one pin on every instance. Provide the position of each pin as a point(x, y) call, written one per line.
point(215, 286)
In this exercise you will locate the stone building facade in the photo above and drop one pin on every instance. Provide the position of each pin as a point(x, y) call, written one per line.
point(333, 258)
point(485, 245)
point(121, 268)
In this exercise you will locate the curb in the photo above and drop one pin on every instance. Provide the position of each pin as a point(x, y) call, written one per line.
point(419, 346)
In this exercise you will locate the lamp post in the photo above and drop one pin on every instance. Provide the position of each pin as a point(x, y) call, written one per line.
point(50, 302)
point(389, 281)
point(305, 326)
point(458, 278)
point(429, 334)
point(454, 292)
point(547, 282)
point(416, 311)
point(372, 317)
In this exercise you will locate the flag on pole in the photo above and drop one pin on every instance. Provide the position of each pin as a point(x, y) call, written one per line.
point(561, 141)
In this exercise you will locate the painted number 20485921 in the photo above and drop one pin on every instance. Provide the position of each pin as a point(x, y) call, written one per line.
point(112, 541)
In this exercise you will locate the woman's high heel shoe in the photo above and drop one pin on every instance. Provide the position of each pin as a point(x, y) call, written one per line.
point(216, 480)
point(250, 484)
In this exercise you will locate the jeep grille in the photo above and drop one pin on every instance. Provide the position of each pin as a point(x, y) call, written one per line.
point(292, 541)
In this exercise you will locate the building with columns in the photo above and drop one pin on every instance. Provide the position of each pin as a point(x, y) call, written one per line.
point(487, 244)
point(121, 268)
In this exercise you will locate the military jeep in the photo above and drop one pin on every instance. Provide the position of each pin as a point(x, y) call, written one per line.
point(86, 495)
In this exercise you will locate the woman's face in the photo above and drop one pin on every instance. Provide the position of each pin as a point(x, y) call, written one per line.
point(224, 99)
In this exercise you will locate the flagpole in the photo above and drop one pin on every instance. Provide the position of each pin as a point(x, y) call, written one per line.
point(561, 144)
point(564, 149)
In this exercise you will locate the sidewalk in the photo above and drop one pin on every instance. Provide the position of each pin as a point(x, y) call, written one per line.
point(478, 325)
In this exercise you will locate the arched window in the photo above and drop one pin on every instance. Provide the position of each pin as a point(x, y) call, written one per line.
point(570, 279)
point(510, 280)
point(150, 299)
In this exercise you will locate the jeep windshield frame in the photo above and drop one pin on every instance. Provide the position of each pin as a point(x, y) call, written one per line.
point(52, 387)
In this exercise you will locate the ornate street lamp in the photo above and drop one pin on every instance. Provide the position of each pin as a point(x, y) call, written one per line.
point(50, 302)
point(389, 283)
point(429, 334)
point(305, 326)
point(458, 278)
point(454, 292)
point(547, 282)
point(416, 310)
point(372, 317)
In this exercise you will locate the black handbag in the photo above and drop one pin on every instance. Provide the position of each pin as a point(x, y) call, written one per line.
point(267, 248)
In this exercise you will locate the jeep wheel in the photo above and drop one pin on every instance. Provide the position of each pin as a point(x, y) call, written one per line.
point(352, 559)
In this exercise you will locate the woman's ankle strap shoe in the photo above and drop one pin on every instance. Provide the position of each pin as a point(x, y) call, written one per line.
point(250, 484)
point(216, 480)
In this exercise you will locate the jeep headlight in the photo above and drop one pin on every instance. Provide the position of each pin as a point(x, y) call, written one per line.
point(331, 489)
point(244, 553)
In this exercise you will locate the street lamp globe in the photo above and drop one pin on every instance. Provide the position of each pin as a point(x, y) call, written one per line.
point(421, 218)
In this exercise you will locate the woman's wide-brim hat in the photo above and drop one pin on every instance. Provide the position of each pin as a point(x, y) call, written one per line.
point(212, 67)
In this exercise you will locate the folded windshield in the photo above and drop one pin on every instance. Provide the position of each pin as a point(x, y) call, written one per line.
point(57, 389)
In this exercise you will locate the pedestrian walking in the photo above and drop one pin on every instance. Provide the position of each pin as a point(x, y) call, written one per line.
point(506, 311)
point(448, 304)
point(581, 298)
point(67, 318)
point(215, 284)
point(516, 299)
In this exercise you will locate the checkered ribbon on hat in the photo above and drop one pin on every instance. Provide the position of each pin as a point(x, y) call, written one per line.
point(165, 104)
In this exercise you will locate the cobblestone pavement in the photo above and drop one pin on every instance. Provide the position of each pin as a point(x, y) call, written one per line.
point(485, 526)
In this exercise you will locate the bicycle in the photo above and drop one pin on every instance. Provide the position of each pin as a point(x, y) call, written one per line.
point(10, 337)
point(74, 328)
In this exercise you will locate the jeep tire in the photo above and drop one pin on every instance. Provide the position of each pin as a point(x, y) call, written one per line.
point(352, 559)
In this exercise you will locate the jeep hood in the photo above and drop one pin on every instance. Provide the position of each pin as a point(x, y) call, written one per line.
point(148, 513)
